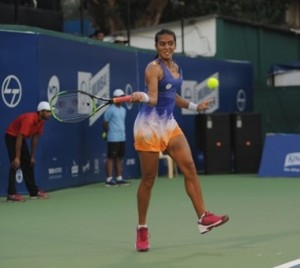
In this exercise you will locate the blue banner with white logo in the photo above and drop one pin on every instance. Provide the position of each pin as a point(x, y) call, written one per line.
point(35, 67)
point(281, 156)
point(19, 87)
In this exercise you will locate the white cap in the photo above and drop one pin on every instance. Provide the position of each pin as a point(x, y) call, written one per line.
point(118, 92)
point(44, 105)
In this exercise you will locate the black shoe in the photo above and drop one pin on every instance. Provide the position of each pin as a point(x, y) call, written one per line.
point(123, 182)
point(111, 183)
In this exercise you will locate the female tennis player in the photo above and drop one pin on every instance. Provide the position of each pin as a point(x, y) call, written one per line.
point(156, 130)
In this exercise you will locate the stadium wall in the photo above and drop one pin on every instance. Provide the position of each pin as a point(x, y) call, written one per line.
point(37, 64)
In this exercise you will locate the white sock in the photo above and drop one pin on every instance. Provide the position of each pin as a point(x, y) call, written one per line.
point(108, 179)
point(142, 226)
point(119, 178)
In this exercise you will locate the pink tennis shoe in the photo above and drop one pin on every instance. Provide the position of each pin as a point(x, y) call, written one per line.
point(209, 220)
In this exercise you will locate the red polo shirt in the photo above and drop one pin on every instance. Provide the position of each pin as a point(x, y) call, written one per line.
point(27, 124)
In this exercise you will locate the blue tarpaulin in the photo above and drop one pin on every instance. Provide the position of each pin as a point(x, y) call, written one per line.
point(282, 68)
point(281, 75)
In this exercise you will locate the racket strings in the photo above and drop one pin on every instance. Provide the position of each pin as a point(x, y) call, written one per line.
point(73, 107)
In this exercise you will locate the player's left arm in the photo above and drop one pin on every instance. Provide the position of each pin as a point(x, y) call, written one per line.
point(181, 102)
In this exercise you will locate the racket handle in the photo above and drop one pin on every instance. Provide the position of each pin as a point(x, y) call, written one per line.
point(122, 99)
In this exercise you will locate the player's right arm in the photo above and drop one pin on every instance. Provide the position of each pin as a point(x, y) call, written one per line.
point(153, 74)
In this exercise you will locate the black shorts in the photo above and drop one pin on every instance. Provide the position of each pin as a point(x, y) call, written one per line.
point(116, 149)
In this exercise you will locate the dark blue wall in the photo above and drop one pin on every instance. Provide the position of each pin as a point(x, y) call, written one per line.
point(35, 66)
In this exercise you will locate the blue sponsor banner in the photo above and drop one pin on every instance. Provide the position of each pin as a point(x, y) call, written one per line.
point(67, 154)
point(19, 87)
point(234, 93)
point(281, 156)
point(78, 153)
point(34, 67)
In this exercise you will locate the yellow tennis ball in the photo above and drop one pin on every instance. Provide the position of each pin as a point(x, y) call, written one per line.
point(212, 83)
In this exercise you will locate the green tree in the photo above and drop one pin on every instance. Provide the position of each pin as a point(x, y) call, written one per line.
point(116, 15)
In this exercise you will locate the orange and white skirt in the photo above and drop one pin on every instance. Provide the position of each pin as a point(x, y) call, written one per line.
point(152, 132)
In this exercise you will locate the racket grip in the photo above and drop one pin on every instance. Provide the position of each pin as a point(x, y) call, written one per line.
point(122, 99)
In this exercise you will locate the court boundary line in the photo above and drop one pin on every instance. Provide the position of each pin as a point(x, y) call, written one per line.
point(290, 264)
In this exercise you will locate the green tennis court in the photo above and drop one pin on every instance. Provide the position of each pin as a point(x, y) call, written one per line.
point(94, 226)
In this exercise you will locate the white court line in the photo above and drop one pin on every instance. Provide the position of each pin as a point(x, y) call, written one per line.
point(291, 264)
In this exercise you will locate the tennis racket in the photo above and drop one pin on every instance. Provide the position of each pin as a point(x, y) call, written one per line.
point(74, 106)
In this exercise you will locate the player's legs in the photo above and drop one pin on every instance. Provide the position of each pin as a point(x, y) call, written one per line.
point(115, 154)
point(178, 148)
point(109, 167)
point(111, 156)
point(149, 166)
point(26, 167)
point(28, 170)
point(29, 177)
point(118, 163)
point(120, 153)
point(11, 189)
point(10, 143)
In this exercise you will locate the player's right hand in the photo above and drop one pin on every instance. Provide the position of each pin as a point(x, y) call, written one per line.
point(138, 96)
